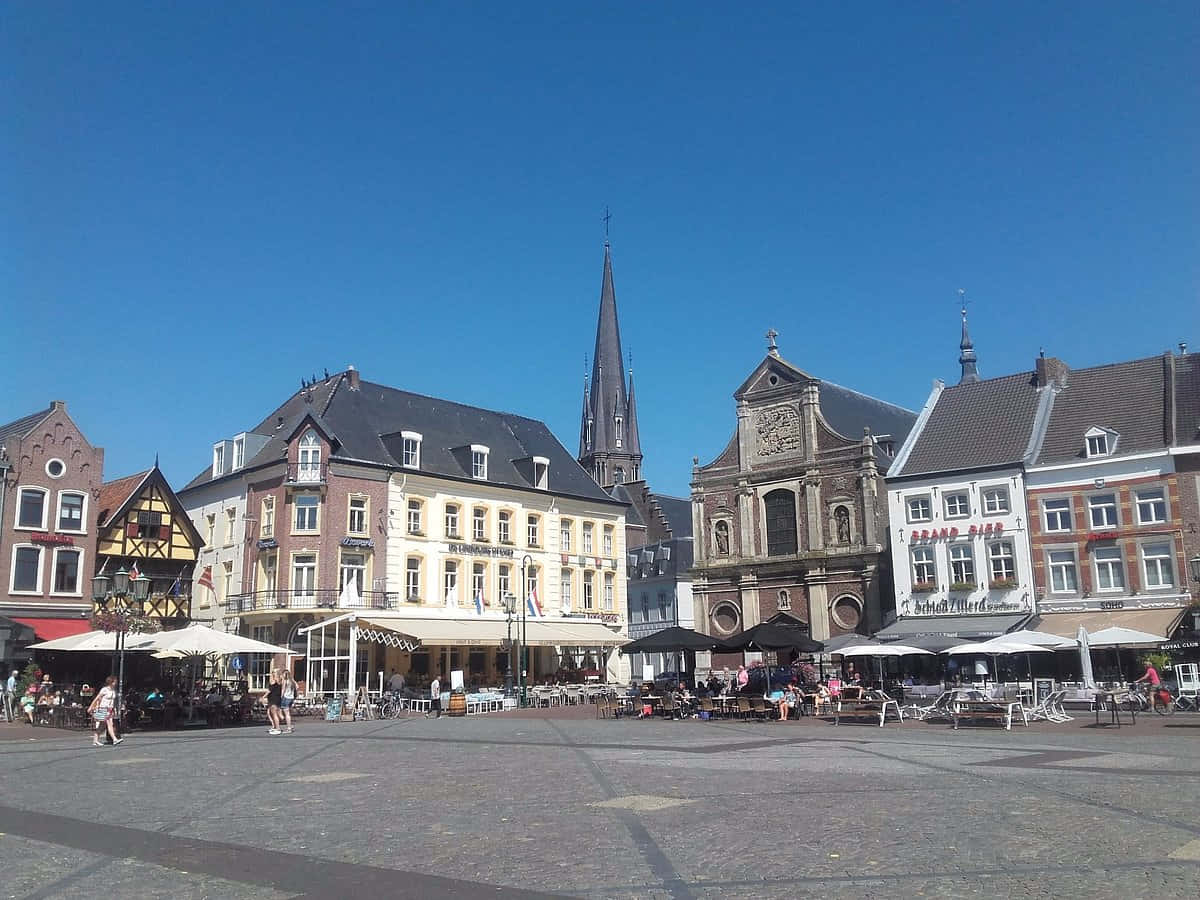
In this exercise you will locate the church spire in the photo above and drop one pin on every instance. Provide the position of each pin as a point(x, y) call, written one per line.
point(613, 453)
point(966, 358)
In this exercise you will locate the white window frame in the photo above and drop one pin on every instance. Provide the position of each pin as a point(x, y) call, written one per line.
point(226, 581)
point(308, 457)
point(913, 501)
point(1002, 553)
point(51, 462)
point(230, 524)
point(479, 523)
point(296, 527)
point(962, 564)
point(412, 578)
point(533, 524)
point(267, 529)
point(920, 558)
point(415, 512)
point(1099, 503)
point(564, 535)
point(479, 462)
point(218, 466)
point(589, 590)
point(609, 591)
point(588, 541)
point(961, 502)
point(35, 489)
point(504, 526)
point(450, 519)
point(1099, 442)
point(995, 501)
point(267, 575)
point(1067, 562)
point(359, 571)
point(293, 581)
point(1105, 563)
point(1154, 499)
point(503, 580)
point(83, 513)
point(1067, 510)
point(41, 570)
point(479, 581)
point(239, 452)
point(1167, 559)
point(210, 524)
point(450, 583)
point(364, 510)
point(566, 577)
point(410, 449)
point(608, 541)
point(78, 592)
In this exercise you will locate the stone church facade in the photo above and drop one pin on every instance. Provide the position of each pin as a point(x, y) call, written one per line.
point(792, 516)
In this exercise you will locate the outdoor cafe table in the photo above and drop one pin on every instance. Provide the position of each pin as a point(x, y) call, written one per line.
point(989, 709)
point(1113, 700)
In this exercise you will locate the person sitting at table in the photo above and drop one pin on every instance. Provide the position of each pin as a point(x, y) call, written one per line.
point(788, 701)
point(821, 698)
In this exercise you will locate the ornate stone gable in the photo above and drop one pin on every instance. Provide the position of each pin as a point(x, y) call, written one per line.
point(777, 432)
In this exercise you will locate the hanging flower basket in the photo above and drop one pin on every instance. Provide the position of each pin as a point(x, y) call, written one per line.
point(108, 621)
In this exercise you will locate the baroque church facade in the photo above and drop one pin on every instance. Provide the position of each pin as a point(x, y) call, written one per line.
point(791, 517)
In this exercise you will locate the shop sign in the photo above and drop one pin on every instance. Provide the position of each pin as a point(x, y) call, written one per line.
point(1102, 536)
point(961, 606)
point(1092, 604)
point(366, 543)
point(480, 550)
point(933, 534)
point(268, 544)
point(607, 618)
point(44, 537)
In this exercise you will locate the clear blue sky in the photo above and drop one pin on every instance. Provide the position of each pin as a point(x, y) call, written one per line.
point(205, 202)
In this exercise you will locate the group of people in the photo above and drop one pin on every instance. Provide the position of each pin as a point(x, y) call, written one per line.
point(281, 694)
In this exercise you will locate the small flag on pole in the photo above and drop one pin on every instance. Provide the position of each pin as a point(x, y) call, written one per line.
point(479, 602)
point(176, 586)
point(134, 572)
point(205, 579)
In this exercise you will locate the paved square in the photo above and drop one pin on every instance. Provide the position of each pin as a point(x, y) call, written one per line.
point(517, 805)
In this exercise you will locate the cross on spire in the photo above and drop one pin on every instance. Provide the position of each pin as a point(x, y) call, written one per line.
point(606, 218)
point(772, 347)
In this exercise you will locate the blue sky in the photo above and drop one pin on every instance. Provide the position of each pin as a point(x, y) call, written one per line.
point(206, 202)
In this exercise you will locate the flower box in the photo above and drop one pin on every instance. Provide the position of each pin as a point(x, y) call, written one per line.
point(963, 585)
point(925, 587)
point(1003, 584)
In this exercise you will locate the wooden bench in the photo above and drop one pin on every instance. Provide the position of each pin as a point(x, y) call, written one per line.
point(866, 709)
point(989, 710)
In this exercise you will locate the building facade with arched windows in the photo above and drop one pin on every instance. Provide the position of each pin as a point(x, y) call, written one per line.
point(791, 517)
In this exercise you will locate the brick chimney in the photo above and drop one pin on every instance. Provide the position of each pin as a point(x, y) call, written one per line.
point(352, 377)
point(1051, 371)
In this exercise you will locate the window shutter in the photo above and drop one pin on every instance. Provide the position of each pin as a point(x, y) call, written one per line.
point(131, 530)
point(164, 532)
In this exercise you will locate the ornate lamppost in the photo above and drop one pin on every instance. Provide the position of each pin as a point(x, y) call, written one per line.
point(128, 599)
point(1194, 565)
point(526, 561)
point(510, 610)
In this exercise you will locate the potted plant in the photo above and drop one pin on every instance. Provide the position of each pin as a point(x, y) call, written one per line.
point(962, 585)
point(924, 587)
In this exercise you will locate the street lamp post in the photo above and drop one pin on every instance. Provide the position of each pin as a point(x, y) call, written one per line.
point(1194, 565)
point(510, 609)
point(117, 591)
point(526, 561)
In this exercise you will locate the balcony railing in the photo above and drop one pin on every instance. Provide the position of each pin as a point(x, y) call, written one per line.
point(320, 598)
point(306, 473)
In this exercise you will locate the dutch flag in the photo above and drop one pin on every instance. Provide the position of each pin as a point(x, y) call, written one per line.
point(535, 608)
point(479, 602)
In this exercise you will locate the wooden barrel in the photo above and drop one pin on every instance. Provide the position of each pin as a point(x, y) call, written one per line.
point(458, 704)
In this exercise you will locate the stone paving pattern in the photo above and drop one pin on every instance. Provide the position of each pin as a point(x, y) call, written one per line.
point(554, 803)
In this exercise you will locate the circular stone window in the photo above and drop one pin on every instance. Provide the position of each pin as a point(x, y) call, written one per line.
point(773, 379)
point(847, 612)
point(725, 617)
point(56, 468)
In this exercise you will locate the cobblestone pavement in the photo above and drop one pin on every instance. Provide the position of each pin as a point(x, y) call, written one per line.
point(556, 803)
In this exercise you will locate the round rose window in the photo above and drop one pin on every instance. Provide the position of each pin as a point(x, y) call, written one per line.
point(847, 612)
point(725, 617)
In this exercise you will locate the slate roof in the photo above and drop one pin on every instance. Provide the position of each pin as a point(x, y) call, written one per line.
point(1126, 397)
point(678, 513)
point(366, 423)
point(633, 515)
point(1187, 399)
point(976, 425)
point(848, 412)
point(113, 495)
point(21, 427)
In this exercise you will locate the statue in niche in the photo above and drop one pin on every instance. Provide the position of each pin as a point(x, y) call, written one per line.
point(777, 430)
point(841, 518)
point(722, 533)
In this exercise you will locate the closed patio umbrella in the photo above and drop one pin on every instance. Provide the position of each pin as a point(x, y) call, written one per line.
point(1085, 658)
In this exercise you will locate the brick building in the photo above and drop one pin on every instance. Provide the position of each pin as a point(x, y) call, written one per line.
point(50, 476)
point(790, 517)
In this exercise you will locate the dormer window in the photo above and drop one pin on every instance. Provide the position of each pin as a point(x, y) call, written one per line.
point(309, 456)
point(541, 472)
point(479, 458)
point(411, 449)
point(1099, 442)
point(239, 451)
point(218, 460)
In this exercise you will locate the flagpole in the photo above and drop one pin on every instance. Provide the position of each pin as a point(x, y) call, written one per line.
point(521, 668)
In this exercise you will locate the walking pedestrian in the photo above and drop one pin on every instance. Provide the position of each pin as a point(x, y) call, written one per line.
point(10, 690)
point(287, 696)
point(435, 696)
point(102, 712)
point(274, 698)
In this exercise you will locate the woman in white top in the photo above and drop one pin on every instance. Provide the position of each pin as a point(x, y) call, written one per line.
point(102, 710)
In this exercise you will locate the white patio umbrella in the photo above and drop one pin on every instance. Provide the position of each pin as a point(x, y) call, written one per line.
point(1117, 637)
point(1085, 658)
point(200, 640)
point(104, 641)
point(1037, 638)
point(995, 647)
point(880, 651)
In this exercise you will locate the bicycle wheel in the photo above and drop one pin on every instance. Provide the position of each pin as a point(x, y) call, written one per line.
point(1164, 709)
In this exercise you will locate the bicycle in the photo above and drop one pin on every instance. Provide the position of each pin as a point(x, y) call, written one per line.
point(393, 706)
point(1161, 700)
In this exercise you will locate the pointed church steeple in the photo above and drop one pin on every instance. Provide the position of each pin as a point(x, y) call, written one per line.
point(610, 447)
point(966, 356)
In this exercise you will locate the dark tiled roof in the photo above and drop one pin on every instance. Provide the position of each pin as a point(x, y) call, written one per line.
point(632, 515)
point(976, 425)
point(848, 412)
point(1126, 397)
point(366, 424)
point(1187, 399)
point(113, 495)
point(22, 426)
point(678, 513)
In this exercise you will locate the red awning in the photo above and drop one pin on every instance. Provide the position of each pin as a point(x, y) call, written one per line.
point(49, 629)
